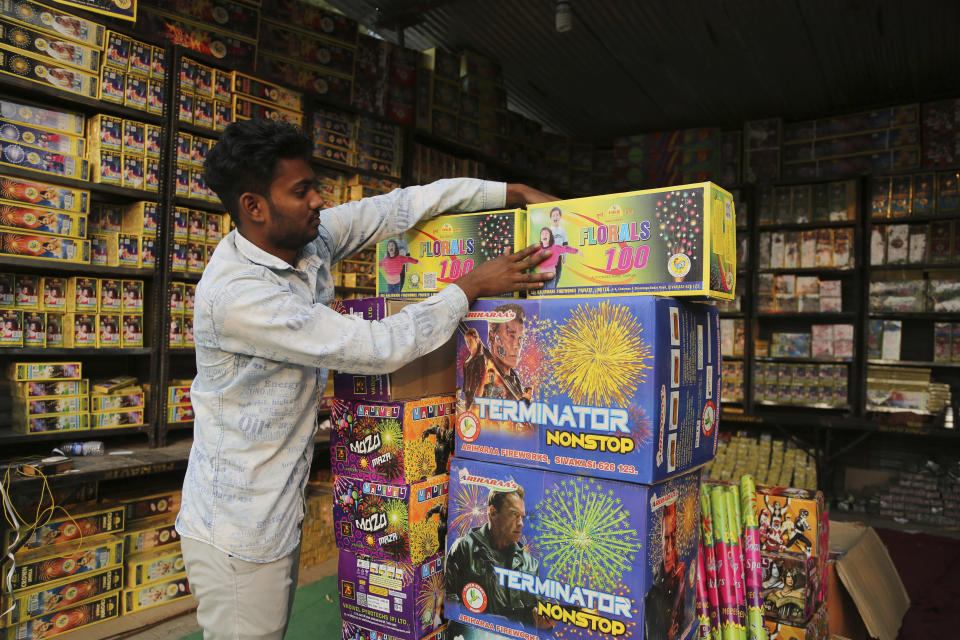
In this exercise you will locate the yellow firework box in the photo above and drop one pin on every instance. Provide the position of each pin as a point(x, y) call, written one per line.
point(155, 593)
point(50, 564)
point(433, 254)
point(59, 622)
point(151, 534)
point(678, 241)
point(48, 599)
point(161, 564)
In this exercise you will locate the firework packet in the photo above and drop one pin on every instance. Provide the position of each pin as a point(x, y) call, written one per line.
point(159, 564)
point(354, 632)
point(47, 599)
point(71, 528)
point(790, 586)
point(60, 622)
point(624, 388)
point(425, 259)
point(678, 241)
point(155, 593)
point(427, 376)
point(394, 442)
point(404, 523)
point(49, 564)
point(590, 557)
point(790, 520)
point(815, 629)
point(41, 194)
point(397, 599)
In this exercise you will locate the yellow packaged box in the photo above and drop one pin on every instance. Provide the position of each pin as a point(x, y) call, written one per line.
point(79, 330)
point(160, 564)
point(27, 294)
point(109, 295)
point(104, 132)
point(81, 523)
point(108, 330)
point(134, 166)
point(24, 408)
point(54, 330)
point(82, 294)
point(675, 241)
point(29, 219)
point(53, 291)
point(140, 218)
point(78, 616)
point(47, 599)
point(106, 166)
point(11, 328)
point(182, 413)
point(116, 249)
point(52, 563)
point(40, 371)
point(38, 70)
point(436, 252)
point(132, 331)
point(116, 419)
point(155, 593)
point(164, 503)
point(52, 389)
point(34, 329)
point(61, 422)
point(37, 247)
point(152, 533)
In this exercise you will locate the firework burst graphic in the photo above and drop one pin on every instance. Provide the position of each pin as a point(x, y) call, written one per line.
point(641, 428)
point(397, 517)
point(424, 540)
point(599, 357)
point(429, 596)
point(391, 434)
point(418, 458)
point(583, 534)
point(688, 518)
point(470, 507)
point(495, 235)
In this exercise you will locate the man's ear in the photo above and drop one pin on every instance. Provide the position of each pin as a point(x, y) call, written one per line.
point(254, 207)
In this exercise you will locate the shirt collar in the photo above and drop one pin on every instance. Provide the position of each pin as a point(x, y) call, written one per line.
point(256, 255)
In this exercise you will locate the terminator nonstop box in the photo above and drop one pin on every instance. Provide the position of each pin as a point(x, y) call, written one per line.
point(405, 523)
point(47, 599)
point(529, 549)
point(430, 375)
point(436, 252)
point(396, 442)
point(621, 388)
point(675, 241)
point(397, 599)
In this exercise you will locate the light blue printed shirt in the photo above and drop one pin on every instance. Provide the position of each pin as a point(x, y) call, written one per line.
point(265, 340)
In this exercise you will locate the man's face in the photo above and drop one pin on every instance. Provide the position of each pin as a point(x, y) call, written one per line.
point(506, 525)
point(669, 541)
point(294, 205)
point(506, 343)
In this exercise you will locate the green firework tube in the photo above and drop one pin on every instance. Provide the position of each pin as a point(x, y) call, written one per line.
point(728, 597)
point(736, 559)
point(753, 570)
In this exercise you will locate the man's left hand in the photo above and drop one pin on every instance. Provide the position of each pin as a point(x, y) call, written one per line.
point(522, 194)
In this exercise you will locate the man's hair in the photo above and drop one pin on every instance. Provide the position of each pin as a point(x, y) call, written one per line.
point(497, 498)
point(245, 159)
point(519, 315)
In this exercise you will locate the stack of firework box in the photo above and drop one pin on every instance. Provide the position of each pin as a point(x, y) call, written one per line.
point(124, 236)
point(206, 95)
point(765, 551)
point(124, 152)
point(41, 139)
point(582, 416)
point(182, 296)
point(132, 73)
point(179, 405)
point(196, 235)
point(92, 564)
point(359, 141)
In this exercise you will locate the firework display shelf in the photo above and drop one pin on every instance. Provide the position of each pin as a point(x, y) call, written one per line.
point(455, 148)
point(47, 96)
point(732, 314)
point(33, 264)
point(945, 316)
point(94, 187)
point(804, 405)
point(811, 315)
point(924, 266)
point(56, 352)
point(193, 203)
point(914, 363)
point(931, 217)
point(346, 168)
point(9, 436)
point(186, 275)
point(837, 270)
point(195, 130)
point(803, 360)
point(853, 424)
point(799, 226)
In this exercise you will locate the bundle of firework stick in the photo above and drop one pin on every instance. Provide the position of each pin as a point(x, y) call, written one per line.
point(729, 604)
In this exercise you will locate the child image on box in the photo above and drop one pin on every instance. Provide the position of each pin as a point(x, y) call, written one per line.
point(393, 266)
point(548, 241)
point(253, 307)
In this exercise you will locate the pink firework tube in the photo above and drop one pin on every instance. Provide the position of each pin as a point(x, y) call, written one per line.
point(708, 545)
point(703, 602)
point(753, 568)
point(736, 560)
point(728, 596)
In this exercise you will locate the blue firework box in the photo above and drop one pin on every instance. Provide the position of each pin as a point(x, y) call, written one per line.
point(538, 554)
point(621, 388)
point(399, 600)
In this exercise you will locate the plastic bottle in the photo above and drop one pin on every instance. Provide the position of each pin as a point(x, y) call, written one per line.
point(91, 448)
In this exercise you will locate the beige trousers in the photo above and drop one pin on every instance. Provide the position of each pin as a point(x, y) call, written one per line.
point(240, 600)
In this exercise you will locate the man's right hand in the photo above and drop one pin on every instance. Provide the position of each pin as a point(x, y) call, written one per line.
point(506, 274)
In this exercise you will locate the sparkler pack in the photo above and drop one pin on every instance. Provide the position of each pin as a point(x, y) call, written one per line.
point(424, 260)
point(677, 241)
point(392, 442)
point(626, 388)
point(536, 554)
point(404, 523)
point(399, 600)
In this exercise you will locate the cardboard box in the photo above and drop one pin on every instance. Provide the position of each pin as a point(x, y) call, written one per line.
point(178, 394)
point(140, 218)
point(36, 69)
point(61, 529)
point(160, 564)
point(135, 92)
point(34, 329)
point(247, 108)
point(118, 401)
point(141, 55)
point(649, 413)
point(132, 331)
point(49, 564)
point(150, 534)
point(56, 51)
point(52, 389)
point(38, 159)
point(113, 85)
point(628, 580)
point(117, 51)
point(261, 90)
point(55, 22)
point(390, 522)
point(790, 520)
point(397, 599)
point(134, 137)
point(158, 64)
point(109, 295)
point(49, 599)
point(47, 221)
point(622, 249)
point(133, 171)
point(814, 629)
point(41, 194)
point(396, 442)
point(82, 294)
point(25, 409)
point(180, 414)
point(436, 252)
point(151, 174)
point(62, 422)
point(53, 141)
point(430, 375)
point(76, 617)
point(157, 504)
point(116, 419)
point(42, 371)
point(154, 594)
point(107, 167)
point(46, 118)
point(80, 330)
point(26, 291)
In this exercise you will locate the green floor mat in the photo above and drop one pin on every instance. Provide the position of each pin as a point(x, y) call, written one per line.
point(315, 611)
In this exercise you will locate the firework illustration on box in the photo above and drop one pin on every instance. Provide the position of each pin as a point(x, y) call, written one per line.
point(396, 599)
point(537, 554)
point(404, 523)
point(393, 442)
point(790, 520)
point(623, 389)
point(436, 252)
point(54, 624)
point(677, 241)
point(354, 632)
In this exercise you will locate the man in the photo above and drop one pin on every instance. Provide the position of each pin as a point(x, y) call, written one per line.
point(505, 340)
point(265, 340)
point(666, 600)
point(471, 559)
point(474, 367)
point(443, 446)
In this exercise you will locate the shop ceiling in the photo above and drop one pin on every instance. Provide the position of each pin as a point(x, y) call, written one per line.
point(632, 66)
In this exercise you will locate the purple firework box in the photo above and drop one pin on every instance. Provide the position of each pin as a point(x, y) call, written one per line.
point(403, 523)
point(621, 388)
point(401, 600)
point(595, 557)
point(355, 632)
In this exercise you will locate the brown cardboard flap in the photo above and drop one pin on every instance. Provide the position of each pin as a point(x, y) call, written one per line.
point(433, 374)
point(871, 579)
